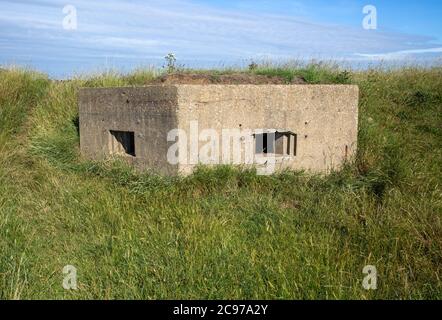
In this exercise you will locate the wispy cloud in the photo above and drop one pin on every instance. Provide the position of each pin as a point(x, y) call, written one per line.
point(403, 54)
point(134, 32)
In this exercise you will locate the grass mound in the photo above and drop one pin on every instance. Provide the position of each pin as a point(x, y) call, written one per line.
point(224, 232)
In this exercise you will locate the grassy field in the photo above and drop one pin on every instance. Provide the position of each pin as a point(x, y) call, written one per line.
point(222, 233)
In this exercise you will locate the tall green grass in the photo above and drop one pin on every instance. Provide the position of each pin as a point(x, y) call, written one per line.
point(223, 232)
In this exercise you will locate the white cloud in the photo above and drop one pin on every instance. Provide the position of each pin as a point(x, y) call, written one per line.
point(402, 54)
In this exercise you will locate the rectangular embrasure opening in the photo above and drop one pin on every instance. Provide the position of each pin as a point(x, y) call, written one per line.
point(277, 143)
point(122, 143)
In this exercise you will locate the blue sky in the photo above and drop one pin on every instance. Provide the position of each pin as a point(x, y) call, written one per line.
point(214, 33)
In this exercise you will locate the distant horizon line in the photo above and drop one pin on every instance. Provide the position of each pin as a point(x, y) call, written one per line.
point(340, 64)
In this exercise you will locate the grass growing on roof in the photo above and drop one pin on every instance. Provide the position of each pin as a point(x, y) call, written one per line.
point(222, 233)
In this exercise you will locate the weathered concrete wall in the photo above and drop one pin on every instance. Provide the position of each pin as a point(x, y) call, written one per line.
point(324, 117)
point(149, 112)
